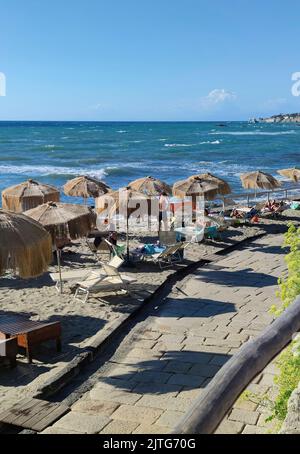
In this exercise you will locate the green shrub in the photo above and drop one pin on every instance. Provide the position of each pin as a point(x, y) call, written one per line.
point(289, 360)
point(290, 285)
point(287, 380)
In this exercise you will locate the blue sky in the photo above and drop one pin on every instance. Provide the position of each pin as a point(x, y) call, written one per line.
point(148, 59)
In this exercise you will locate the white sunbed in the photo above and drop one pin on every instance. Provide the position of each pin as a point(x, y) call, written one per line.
point(82, 274)
point(112, 281)
point(192, 234)
point(170, 256)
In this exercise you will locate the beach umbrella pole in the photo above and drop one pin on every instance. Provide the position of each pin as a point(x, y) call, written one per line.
point(127, 240)
point(128, 262)
point(59, 271)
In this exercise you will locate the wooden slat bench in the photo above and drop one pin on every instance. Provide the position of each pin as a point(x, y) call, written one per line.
point(29, 333)
point(33, 414)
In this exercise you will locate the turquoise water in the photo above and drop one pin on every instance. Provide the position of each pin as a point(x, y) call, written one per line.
point(54, 152)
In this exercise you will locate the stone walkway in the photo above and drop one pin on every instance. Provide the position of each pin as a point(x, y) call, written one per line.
point(84, 326)
point(167, 359)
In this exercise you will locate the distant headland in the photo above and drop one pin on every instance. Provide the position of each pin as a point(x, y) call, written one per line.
point(281, 118)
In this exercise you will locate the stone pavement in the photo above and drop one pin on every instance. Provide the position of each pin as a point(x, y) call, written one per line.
point(166, 361)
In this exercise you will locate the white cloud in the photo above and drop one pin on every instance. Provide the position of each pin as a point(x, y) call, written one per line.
point(218, 96)
point(96, 107)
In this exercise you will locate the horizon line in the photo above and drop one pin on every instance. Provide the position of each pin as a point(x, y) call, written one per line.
point(123, 121)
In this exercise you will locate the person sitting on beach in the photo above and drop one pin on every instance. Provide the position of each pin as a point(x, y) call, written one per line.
point(113, 238)
point(254, 219)
point(253, 212)
point(236, 214)
point(279, 208)
point(273, 207)
point(268, 206)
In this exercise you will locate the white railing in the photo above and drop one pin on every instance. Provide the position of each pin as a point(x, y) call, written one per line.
point(286, 193)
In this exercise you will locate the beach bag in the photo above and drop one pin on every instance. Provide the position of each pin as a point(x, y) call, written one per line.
point(295, 205)
point(149, 249)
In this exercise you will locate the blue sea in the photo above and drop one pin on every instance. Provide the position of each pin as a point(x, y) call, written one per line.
point(119, 152)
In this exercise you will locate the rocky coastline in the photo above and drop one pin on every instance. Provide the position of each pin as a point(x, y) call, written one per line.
point(281, 118)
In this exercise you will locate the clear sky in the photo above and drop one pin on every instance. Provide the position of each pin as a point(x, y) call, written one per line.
point(148, 59)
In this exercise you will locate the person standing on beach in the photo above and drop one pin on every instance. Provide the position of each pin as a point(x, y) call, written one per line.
point(163, 210)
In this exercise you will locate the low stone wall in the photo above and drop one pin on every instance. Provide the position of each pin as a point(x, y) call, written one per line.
point(291, 424)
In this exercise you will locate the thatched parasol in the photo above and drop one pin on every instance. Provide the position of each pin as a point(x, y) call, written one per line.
point(195, 187)
point(64, 220)
point(85, 186)
point(28, 195)
point(25, 246)
point(150, 186)
point(293, 174)
point(223, 186)
point(125, 200)
point(259, 180)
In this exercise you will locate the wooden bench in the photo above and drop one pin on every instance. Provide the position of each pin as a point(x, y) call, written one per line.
point(9, 350)
point(29, 333)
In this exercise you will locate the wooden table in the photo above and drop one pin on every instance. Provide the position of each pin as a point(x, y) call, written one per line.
point(29, 333)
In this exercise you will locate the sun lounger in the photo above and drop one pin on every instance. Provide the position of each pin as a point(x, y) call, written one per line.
point(167, 238)
point(9, 350)
point(212, 233)
point(168, 257)
point(112, 281)
point(116, 249)
point(69, 276)
point(222, 222)
point(82, 274)
point(191, 234)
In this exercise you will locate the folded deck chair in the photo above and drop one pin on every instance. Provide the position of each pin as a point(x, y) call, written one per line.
point(104, 248)
point(170, 256)
point(82, 274)
point(112, 281)
point(212, 233)
point(221, 222)
point(167, 238)
point(116, 249)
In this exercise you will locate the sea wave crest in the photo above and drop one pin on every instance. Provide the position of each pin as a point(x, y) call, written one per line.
point(50, 170)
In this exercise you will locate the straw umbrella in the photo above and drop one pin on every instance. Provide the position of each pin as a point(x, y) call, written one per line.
point(119, 201)
point(259, 180)
point(223, 186)
point(63, 220)
point(25, 246)
point(85, 186)
point(150, 186)
point(28, 195)
point(195, 187)
point(293, 174)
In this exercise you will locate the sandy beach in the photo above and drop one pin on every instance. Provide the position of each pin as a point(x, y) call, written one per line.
point(39, 300)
